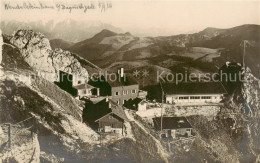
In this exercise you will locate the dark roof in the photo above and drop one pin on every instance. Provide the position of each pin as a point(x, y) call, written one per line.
point(132, 104)
point(117, 109)
point(102, 108)
point(102, 84)
point(193, 88)
point(83, 86)
point(171, 123)
point(122, 81)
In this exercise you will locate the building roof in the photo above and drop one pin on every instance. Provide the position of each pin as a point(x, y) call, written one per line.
point(171, 123)
point(193, 88)
point(122, 81)
point(117, 110)
point(102, 108)
point(83, 86)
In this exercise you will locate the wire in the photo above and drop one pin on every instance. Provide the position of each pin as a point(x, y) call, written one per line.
point(22, 121)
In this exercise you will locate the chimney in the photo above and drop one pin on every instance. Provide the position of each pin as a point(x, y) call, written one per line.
point(109, 104)
point(122, 72)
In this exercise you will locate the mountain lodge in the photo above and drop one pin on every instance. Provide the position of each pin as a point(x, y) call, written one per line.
point(77, 86)
point(105, 116)
point(187, 93)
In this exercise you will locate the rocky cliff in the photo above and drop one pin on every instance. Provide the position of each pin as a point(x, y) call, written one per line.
point(37, 52)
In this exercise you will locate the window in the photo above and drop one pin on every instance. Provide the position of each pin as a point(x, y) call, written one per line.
point(205, 97)
point(84, 91)
point(125, 92)
point(118, 102)
point(133, 91)
point(116, 93)
point(79, 82)
point(184, 98)
point(195, 97)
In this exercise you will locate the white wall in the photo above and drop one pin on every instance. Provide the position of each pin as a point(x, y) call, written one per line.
point(142, 107)
point(215, 98)
point(81, 92)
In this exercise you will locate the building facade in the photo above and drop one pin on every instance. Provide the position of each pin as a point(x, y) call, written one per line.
point(121, 94)
point(173, 127)
point(86, 90)
point(194, 93)
point(105, 116)
point(111, 124)
point(194, 98)
point(77, 85)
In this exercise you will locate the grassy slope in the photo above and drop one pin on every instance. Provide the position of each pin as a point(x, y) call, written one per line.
point(12, 58)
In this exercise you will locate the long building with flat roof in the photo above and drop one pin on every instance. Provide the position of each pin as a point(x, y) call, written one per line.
point(193, 92)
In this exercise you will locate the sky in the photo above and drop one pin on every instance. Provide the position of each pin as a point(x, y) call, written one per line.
point(145, 17)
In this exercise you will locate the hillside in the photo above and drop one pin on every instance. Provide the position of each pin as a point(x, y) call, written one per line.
point(38, 105)
point(232, 46)
point(56, 116)
point(210, 46)
point(59, 43)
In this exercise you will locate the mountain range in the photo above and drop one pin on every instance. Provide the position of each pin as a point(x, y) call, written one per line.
point(199, 52)
point(68, 29)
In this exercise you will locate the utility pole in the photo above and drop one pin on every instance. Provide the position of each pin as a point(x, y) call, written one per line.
point(162, 107)
point(100, 139)
point(9, 135)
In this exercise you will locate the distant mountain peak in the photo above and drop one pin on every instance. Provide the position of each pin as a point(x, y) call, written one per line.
point(106, 32)
point(128, 33)
point(211, 29)
point(101, 35)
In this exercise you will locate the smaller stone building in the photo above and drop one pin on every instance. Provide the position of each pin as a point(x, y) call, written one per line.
point(173, 127)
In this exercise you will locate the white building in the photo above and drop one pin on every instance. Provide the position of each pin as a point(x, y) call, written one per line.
point(77, 85)
point(194, 93)
point(86, 90)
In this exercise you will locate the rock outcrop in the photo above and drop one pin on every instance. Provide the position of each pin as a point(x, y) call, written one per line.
point(1, 43)
point(37, 52)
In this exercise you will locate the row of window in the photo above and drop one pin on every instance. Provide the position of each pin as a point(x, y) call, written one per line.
point(125, 92)
point(194, 97)
point(205, 97)
point(118, 101)
point(184, 98)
